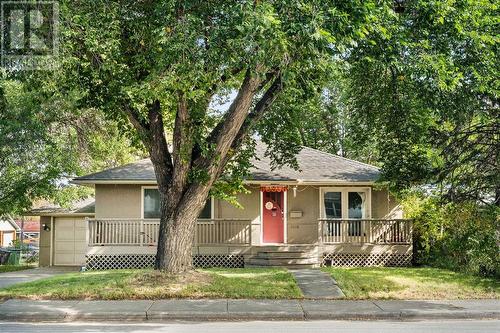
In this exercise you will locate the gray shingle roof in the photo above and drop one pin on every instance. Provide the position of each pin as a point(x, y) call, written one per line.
point(86, 206)
point(314, 166)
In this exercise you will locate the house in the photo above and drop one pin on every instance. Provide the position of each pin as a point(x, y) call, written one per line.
point(8, 231)
point(30, 229)
point(329, 212)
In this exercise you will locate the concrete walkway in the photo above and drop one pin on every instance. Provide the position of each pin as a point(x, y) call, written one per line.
point(10, 278)
point(221, 309)
point(317, 284)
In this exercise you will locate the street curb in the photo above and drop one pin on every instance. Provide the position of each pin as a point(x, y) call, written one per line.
point(403, 316)
point(196, 317)
point(199, 310)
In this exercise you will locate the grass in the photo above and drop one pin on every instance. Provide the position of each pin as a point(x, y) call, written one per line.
point(147, 284)
point(256, 283)
point(13, 268)
point(412, 283)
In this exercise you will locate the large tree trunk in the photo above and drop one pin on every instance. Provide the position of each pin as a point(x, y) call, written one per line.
point(177, 230)
point(175, 245)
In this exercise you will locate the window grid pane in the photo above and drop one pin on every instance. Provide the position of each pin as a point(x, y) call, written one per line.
point(333, 205)
point(151, 203)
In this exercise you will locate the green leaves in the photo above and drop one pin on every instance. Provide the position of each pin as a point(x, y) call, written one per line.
point(457, 236)
point(45, 140)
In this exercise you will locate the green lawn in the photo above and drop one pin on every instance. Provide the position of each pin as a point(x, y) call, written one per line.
point(412, 283)
point(357, 283)
point(13, 268)
point(146, 284)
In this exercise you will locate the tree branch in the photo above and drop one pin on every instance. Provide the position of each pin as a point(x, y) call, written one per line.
point(260, 109)
point(158, 147)
point(139, 124)
point(226, 130)
point(182, 146)
point(253, 118)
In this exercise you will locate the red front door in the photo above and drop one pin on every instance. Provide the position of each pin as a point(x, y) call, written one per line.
point(273, 217)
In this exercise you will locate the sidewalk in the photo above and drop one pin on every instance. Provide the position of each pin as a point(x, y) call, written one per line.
point(316, 284)
point(213, 310)
point(10, 278)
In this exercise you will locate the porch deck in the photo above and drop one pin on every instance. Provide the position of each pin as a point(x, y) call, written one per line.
point(238, 232)
point(119, 243)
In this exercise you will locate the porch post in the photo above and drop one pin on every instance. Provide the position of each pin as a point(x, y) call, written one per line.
point(51, 231)
point(285, 215)
point(87, 231)
point(250, 232)
point(141, 232)
point(320, 231)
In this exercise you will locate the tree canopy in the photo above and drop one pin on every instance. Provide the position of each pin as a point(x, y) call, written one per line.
point(44, 144)
point(157, 67)
point(408, 85)
point(419, 97)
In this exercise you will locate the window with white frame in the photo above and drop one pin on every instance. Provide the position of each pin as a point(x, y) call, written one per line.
point(352, 203)
point(332, 202)
point(151, 205)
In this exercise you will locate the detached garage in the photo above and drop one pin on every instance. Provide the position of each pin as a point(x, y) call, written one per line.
point(63, 234)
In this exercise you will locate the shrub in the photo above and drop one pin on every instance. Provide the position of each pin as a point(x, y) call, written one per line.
point(459, 236)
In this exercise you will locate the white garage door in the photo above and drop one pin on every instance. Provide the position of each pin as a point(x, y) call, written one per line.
point(69, 241)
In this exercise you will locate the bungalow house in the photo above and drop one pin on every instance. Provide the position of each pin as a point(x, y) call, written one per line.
point(329, 212)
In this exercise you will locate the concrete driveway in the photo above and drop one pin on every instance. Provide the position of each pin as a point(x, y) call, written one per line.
point(10, 278)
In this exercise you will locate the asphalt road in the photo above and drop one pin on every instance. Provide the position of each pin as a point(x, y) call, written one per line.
point(484, 326)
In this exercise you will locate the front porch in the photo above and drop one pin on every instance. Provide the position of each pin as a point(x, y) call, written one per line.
point(238, 243)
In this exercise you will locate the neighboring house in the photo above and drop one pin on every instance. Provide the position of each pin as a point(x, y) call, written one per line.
point(328, 213)
point(8, 231)
point(30, 229)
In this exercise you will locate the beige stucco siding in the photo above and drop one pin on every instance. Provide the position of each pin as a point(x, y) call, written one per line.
point(250, 210)
point(44, 242)
point(248, 201)
point(124, 201)
point(303, 230)
point(118, 201)
point(385, 206)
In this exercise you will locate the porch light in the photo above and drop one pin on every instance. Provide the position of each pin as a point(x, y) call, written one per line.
point(294, 191)
point(46, 227)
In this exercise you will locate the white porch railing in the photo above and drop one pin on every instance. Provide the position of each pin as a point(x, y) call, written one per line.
point(374, 231)
point(144, 232)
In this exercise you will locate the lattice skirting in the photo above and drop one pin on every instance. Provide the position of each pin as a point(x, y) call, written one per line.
point(127, 261)
point(366, 259)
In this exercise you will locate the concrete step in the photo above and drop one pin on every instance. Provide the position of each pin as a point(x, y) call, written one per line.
point(285, 255)
point(282, 261)
point(282, 248)
point(302, 266)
